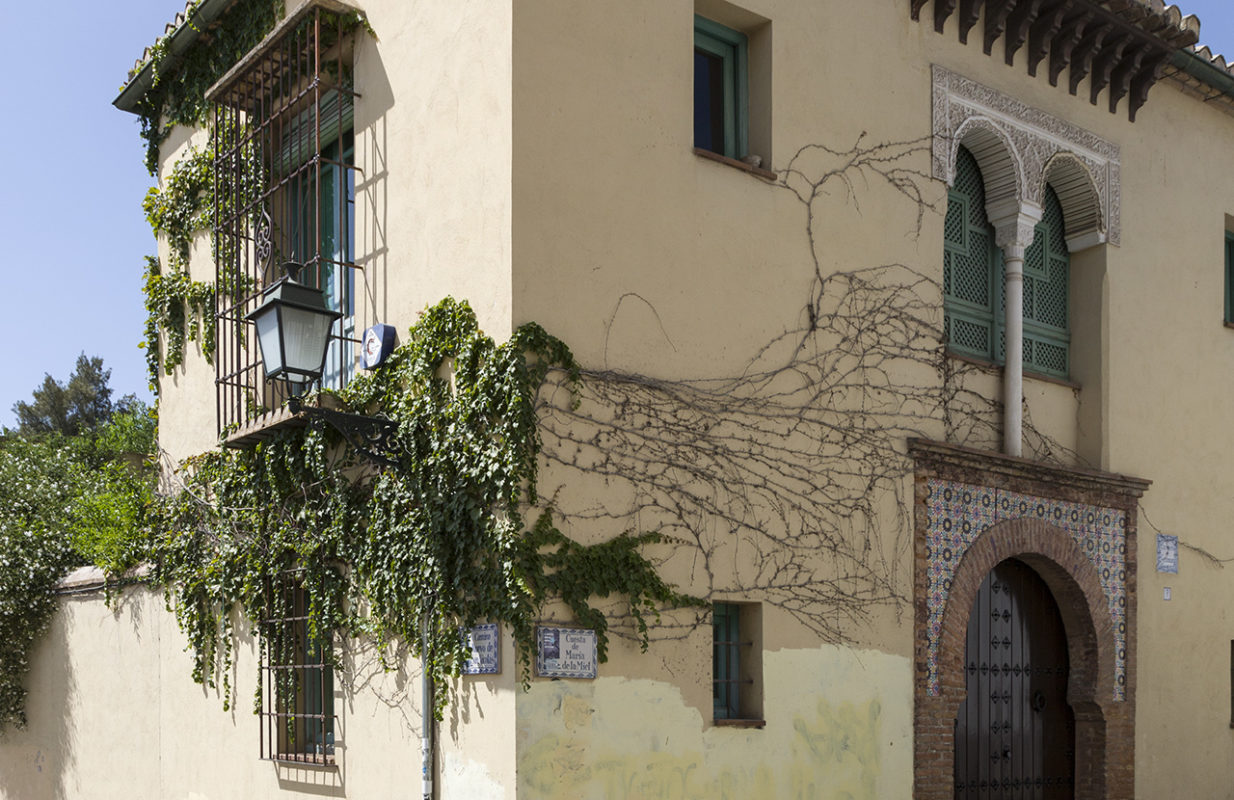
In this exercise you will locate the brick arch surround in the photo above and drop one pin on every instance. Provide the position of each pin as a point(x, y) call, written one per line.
point(1076, 587)
point(1097, 608)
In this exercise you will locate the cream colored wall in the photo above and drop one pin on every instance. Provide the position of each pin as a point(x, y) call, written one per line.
point(647, 258)
point(843, 733)
point(187, 415)
point(537, 161)
point(433, 204)
point(114, 713)
point(433, 122)
point(1171, 374)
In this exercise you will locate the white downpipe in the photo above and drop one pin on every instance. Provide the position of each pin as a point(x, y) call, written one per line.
point(1013, 369)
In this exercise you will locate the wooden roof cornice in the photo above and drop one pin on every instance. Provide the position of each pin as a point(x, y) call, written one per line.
point(1120, 45)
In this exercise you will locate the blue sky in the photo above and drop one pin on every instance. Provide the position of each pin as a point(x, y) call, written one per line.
point(71, 206)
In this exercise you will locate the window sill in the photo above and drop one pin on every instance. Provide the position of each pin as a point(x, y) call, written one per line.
point(740, 723)
point(305, 759)
point(995, 367)
point(759, 172)
point(1227, 323)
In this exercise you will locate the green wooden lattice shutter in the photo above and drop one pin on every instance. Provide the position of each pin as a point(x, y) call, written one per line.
point(1047, 267)
point(970, 263)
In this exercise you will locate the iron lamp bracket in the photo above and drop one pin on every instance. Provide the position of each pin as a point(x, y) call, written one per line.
point(372, 437)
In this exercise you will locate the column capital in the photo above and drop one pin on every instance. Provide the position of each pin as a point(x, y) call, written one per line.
point(1014, 231)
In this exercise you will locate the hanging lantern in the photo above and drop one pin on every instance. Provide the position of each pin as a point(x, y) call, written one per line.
point(293, 330)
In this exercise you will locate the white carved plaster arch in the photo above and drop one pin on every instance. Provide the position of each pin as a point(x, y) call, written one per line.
point(1083, 219)
point(1034, 139)
point(1002, 173)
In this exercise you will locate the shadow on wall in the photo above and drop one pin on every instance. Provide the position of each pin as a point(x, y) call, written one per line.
point(372, 179)
point(35, 762)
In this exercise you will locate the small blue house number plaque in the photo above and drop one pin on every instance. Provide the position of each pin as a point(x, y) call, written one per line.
point(1167, 553)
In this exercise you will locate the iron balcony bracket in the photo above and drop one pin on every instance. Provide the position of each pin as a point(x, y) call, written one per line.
point(372, 437)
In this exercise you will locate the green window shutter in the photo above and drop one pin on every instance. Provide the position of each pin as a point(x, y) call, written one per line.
point(1047, 267)
point(971, 265)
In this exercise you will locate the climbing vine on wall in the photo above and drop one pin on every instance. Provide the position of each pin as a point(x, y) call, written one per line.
point(178, 307)
point(786, 480)
point(424, 549)
point(177, 95)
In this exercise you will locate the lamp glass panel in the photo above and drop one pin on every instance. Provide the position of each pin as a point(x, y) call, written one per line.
point(268, 335)
point(305, 334)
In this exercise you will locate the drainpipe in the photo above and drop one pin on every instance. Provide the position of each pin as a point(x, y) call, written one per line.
point(1014, 234)
point(426, 715)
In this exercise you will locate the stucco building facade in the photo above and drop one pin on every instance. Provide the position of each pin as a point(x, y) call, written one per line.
point(782, 239)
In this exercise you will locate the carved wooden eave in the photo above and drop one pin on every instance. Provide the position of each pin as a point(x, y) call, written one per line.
point(1122, 46)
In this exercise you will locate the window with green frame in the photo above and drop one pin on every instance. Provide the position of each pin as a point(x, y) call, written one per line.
point(974, 286)
point(737, 673)
point(1047, 268)
point(726, 660)
point(321, 191)
point(1229, 277)
point(721, 101)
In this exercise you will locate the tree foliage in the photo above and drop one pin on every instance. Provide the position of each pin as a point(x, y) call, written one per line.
point(80, 406)
point(35, 494)
point(76, 487)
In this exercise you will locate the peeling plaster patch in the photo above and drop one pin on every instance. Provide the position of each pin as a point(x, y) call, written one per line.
point(462, 777)
point(838, 726)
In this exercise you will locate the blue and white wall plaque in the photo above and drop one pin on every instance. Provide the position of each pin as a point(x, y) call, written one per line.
point(485, 644)
point(1167, 553)
point(565, 652)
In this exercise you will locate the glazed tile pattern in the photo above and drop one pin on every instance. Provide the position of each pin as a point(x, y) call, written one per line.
point(959, 512)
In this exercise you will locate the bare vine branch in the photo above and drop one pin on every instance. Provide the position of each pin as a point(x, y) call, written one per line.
point(788, 482)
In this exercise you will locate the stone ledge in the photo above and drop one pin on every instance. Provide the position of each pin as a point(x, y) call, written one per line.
point(94, 579)
point(968, 459)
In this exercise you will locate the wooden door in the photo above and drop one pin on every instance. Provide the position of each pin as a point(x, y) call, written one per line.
point(1015, 733)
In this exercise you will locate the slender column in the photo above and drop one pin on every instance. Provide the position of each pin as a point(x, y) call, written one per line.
point(1013, 369)
point(1013, 232)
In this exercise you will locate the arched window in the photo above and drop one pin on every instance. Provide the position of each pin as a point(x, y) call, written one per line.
point(973, 285)
point(972, 267)
point(1047, 265)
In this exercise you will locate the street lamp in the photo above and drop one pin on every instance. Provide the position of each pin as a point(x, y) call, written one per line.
point(293, 331)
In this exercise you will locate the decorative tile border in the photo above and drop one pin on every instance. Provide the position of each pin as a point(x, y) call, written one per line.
point(960, 512)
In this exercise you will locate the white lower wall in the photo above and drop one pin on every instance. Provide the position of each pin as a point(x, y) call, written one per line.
point(114, 713)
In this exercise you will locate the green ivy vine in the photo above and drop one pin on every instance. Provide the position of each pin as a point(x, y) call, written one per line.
point(412, 554)
point(424, 549)
point(178, 308)
point(178, 95)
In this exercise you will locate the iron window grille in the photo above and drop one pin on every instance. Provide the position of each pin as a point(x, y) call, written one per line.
point(298, 722)
point(284, 190)
point(727, 677)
